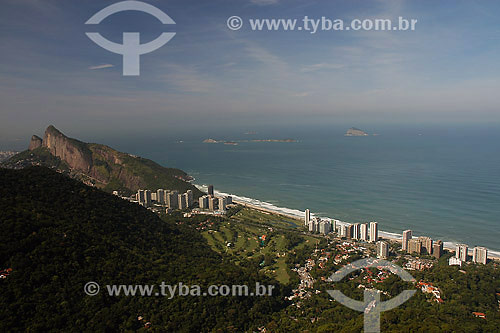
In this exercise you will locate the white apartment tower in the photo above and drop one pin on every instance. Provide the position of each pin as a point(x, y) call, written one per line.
point(222, 203)
point(480, 255)
point(364, 232)
point(461, 252)
point(307, 217)
point(356, 231)
point(406, 238)
point(382, 250)
point(373, 232)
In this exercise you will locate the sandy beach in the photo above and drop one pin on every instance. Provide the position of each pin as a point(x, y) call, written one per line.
point(383, 235)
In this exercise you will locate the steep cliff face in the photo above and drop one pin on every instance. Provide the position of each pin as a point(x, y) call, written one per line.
point(36, 142)
point(99, 165)
point(71, 151)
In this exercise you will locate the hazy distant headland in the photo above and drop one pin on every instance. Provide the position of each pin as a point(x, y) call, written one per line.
point(353, 131)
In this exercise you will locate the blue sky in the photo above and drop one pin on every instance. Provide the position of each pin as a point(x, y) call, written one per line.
point(208, 76)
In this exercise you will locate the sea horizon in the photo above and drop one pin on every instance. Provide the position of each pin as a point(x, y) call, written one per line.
point(438, 181)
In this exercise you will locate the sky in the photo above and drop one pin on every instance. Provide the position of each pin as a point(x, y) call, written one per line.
point(208, 76)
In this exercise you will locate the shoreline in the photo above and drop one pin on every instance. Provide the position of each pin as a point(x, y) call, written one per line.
point(299, 216)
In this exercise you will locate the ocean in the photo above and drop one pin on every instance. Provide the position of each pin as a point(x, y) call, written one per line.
point(439, 182)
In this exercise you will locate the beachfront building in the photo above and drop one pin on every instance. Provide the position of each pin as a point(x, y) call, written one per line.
point(426, 244)
point(307, 217)
point(311, 226)
point(222, 203)
point(203, 201)
point(211, 190)
point(212, 203)
point(190, 197)
point(324, 227)
point(343, 230)
point(333, 226)
point(454, 261)
point(349, 231)
point(480, 255)
point(363, 230)
point(437, 249)
point(357, 231)
point(406, 238)
point(382, 250)
point(461, 252)
point(373, 232)
point(415, 246)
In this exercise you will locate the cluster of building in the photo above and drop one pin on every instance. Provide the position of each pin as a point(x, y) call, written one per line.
point(479, 255)
point(169, 199)
point(5, 273)
point(357, 231)
point(421, 245)
point(418, 264)
point(211, 203)
point(428, 288)
point(368, 232)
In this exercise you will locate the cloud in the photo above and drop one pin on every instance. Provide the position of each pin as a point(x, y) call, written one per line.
point(101, 66)
point(302, 94)
point(264, 2)
point(322, 66)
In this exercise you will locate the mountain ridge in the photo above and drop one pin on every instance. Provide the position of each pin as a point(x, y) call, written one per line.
point(99, 165)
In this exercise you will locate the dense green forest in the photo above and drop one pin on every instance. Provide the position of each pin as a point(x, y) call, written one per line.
point(57, 234)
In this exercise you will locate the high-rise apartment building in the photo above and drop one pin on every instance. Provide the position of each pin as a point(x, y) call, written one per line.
point(172, 200)
point(461, 252)
point(211, 190)
point(363, 229)
point(382, 249)
point(480, 255)
point(203, 201)
point(350, 231)
point(324, 227)
point(222, 203)
point(415, 246)
point(437, 249)
point(343, 230)
point(160, 196)
point(406, 238)
point(373, 232)
point(212, 203)
point(141, 197)
point(356, 234)
point(147, 194)
point(426, 245)
point(307, 217)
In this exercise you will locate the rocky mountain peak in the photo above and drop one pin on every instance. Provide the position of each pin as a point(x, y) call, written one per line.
point(35, 142)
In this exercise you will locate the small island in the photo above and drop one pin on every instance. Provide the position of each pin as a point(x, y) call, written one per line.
point(210, 141)
point(353, 131)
